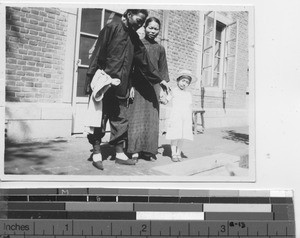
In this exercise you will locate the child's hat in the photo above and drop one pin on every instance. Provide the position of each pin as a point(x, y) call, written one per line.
point(186, 72)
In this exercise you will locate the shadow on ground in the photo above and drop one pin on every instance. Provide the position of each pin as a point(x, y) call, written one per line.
point(166, 150)
point(236, 136)
point(30, 150)
point(33, 153)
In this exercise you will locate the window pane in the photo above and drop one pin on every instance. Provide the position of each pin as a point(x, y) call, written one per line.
point(81, 82)
point(218, 33)
point(206, 75)
point(91, 21)
point(208, 40)
point(86, 48)
point(111, 16)
point(207, 58)
point(217, 49)
point(216, 79)
point(209, 23)
point(217, 64)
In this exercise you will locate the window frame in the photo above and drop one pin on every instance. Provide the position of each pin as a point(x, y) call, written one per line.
point(227, 22)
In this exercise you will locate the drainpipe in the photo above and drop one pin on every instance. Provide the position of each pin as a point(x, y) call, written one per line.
point(224, 98)
point(202, 96)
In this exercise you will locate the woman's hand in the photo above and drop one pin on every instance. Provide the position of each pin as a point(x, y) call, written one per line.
point(165, 85)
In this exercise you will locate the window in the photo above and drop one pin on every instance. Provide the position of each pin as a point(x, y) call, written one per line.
point(219, 51)
point(92, 21)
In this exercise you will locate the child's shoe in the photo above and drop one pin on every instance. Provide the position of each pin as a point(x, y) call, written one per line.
point(175, 158)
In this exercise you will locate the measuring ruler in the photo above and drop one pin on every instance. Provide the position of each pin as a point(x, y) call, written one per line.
point(101, 212)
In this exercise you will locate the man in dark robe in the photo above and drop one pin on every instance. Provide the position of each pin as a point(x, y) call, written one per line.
point(117, 49)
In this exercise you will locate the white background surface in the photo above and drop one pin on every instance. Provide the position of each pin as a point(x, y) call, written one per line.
point(277, 86)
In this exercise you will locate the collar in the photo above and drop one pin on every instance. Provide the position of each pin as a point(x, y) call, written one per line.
point(123, 20)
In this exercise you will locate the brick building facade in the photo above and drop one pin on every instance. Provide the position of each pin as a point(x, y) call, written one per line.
point(43, 48)
point(36, 42)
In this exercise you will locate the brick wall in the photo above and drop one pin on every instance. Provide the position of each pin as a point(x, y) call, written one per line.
point(35, 51)
point(182, 44)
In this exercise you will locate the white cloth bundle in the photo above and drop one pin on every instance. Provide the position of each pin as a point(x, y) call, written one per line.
point(101, 82)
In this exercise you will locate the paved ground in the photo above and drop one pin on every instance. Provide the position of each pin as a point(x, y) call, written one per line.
point(222, 151)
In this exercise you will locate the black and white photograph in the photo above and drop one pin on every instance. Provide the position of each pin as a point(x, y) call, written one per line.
point(128, 93)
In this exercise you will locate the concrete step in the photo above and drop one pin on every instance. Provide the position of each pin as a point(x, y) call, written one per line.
point(193, 167)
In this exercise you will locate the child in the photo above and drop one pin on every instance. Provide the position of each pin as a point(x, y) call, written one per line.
point(180, 121)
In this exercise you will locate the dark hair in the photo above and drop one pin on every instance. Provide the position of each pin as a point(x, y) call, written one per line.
point(184, 76)
point(136, 11)
point(151, 19)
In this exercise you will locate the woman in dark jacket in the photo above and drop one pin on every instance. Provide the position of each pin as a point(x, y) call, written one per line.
point(143, 129)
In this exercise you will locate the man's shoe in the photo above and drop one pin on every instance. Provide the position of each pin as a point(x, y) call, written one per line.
point(125, 162)
point(98, 165)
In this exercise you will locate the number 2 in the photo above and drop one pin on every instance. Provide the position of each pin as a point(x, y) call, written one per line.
point(144, 228)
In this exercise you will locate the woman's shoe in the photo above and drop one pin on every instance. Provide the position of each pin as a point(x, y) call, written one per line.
point(153, 158)
point(125, 162)
point(135, 158)
point(148, 157)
